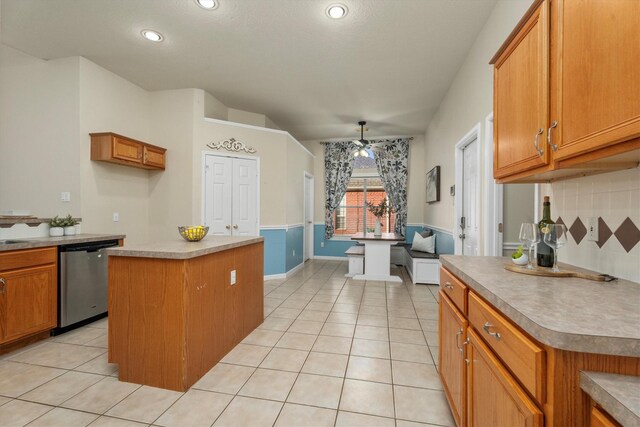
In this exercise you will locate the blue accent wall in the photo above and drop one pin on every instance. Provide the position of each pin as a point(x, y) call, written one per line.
point(295, 242)
point(337, 248)
point(331, 247)
point(275, 246)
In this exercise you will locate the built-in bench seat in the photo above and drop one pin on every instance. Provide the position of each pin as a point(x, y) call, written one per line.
point(355, 254)
point(423, 267)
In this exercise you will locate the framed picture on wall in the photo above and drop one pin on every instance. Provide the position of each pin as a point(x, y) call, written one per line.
point(433, 185)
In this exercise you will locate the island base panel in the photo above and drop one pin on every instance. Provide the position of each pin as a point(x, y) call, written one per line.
point(171, 321)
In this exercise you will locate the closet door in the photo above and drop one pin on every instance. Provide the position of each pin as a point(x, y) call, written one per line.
point(245, 198)
point(218, 195)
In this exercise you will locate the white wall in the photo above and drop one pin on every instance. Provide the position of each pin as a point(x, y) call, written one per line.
point(39, 124)
point(171, 191)
point(271, 149)
point(109, 103)
point(298, 162)
point(469, 101)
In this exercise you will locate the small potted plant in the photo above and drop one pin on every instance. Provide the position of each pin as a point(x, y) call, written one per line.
point(519, 257)
point(56, 226)
point(70, 225)
point(379, 211)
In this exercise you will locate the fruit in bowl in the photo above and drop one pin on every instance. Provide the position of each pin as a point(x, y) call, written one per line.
point(193, 233)
point(519, 257)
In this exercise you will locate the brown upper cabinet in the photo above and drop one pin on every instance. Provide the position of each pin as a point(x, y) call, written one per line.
point(114, 148)
point(567, 91)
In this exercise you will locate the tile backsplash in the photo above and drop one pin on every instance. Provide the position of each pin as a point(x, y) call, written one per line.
point(613, 199)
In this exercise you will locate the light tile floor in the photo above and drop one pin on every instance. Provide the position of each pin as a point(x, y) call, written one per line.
point(331, 352)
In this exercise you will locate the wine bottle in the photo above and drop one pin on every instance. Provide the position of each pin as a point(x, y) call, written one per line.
point(545, 252)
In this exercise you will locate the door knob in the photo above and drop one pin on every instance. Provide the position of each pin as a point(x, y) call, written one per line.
point(235, 227)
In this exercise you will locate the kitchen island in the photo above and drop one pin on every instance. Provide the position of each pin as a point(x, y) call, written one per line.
point(524, 340)
point(176, 308)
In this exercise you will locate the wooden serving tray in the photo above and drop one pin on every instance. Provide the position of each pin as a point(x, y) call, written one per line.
point(541, 271)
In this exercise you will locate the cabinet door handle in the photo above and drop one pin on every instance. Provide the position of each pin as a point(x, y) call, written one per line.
point(496, 335)
point(235, 227)
point(535, 142)
point(228, 227)
point(554, 147)
point(145, 157)
point(3, 285)
point(448, 285)
point(458, 335)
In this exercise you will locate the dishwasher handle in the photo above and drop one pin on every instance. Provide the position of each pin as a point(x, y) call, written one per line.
point(89, 247)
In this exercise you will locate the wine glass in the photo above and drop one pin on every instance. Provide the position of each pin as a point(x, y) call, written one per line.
point(555, 236)
point(529, 235)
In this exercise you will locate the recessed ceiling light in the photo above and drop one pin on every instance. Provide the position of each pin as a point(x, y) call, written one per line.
point(337, 11)
point(207, 4)
point(151, 35)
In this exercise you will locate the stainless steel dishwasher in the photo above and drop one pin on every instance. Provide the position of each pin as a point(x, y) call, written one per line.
point(83, 281)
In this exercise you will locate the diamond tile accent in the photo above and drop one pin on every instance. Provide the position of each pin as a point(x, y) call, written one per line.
point(604, 232)
point(628, 234)
point(578, 230)
point(559, 220)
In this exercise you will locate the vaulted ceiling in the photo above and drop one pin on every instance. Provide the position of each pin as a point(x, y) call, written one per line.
point(389, 62)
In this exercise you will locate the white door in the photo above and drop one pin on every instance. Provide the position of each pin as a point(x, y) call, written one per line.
point(244, 198)
point(217, 195)
point(231, 196)
point(308, 217)
point(469, 222)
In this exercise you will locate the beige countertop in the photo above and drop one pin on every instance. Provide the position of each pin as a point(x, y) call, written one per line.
point(564, 313)
point(179, 248)
point(41, 242)
point(619, 395)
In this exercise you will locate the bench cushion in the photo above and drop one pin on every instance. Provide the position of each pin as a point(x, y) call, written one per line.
point(355, 250)
point(417, 254)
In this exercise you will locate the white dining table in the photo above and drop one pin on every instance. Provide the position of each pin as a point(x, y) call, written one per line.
point(377, 255)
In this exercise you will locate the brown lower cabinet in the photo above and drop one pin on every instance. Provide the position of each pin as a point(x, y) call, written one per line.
point(599, 418)
point(451, 357)
point(28, 293)
point(494, 396)
point(495, 374)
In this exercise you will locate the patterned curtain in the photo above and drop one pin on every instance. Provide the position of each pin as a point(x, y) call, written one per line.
point(338, 166)
point(391, 161)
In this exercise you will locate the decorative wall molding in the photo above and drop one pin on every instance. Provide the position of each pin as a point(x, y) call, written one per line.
point(510, 246)
point(245, 126)
point(285, 227)
point(231, 144)
point(440, 229)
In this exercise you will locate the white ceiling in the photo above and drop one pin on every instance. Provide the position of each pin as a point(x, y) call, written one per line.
point(389, 62)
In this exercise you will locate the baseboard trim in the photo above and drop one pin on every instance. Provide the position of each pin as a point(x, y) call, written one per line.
point(284, 275)
point(330, 258)
point(294, 269)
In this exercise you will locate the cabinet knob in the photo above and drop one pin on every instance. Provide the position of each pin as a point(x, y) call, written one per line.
point(448, 285)
point(486, 327)
point(535, 142)
point(228, 227)
point(235, 227)
point(554, 147)
point(3, 285)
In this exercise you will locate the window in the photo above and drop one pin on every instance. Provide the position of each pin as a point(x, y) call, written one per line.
point(352, 216)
